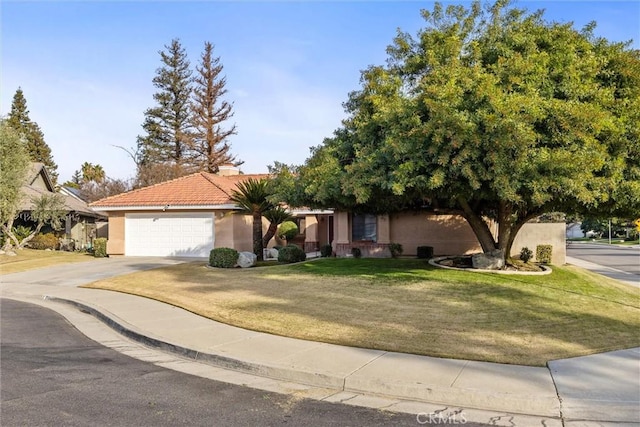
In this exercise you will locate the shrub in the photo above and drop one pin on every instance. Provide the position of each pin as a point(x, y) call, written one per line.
point(291, 253)
point(356, 252)
point(21, 232)
point(326, 251)
point(288, 230)
point(100, 247)
point(223, 257)
point(44, 241)
point(395, 249)
point(543, 253)
point(525, 254)
point(425, 252)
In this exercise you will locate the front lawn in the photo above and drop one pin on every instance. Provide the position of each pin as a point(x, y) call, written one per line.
point(408, 306)
point(29, 259)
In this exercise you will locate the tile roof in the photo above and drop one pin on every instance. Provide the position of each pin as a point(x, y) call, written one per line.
point(198, 189)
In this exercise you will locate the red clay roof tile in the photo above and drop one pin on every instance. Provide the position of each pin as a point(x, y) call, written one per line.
point(198, 189)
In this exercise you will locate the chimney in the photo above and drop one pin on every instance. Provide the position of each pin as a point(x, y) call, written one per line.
point(228, 169)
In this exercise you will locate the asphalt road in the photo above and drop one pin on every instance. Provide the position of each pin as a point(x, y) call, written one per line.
point(621, 258)
point(54, 375)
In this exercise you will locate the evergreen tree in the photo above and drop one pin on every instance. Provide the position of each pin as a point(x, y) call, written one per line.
point(210, 148)
point(36, 146)
point(167, 125)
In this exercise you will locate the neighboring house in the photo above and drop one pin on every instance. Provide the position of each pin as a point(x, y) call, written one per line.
point(574, 230)
point(82, 224)
point(187, 216)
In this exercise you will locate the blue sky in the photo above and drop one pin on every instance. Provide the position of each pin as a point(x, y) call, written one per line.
point(86, 68)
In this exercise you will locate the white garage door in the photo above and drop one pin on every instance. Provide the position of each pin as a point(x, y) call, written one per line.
point(168, 234)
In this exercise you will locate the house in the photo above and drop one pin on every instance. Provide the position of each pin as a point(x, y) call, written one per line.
point(447, 234)
point(574, 230)
point(82, 224)
point(191, 215)
point(185, 217)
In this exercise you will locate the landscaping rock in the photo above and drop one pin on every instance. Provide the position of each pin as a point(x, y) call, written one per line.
point(493, 260)
point(247, 259)
point(11, 253)
point(273, 253)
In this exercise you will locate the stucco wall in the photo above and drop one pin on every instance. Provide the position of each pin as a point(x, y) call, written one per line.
point(448, 234)
point(115, 242)
point(534, 234)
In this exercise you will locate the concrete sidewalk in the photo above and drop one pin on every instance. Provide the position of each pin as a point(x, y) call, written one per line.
point(592, 390)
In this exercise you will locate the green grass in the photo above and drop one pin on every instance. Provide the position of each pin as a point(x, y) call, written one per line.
point(29, 259)
point(409, 306)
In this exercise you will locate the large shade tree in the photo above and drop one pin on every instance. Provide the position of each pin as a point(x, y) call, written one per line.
point(492, 113)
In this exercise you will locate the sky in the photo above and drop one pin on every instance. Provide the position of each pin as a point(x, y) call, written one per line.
point(86, 67)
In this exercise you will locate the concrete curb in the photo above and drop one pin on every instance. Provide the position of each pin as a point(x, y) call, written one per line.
point(547, 269)
point(360, 381)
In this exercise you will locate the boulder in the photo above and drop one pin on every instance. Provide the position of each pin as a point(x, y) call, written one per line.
point(493, 260)
point(10, 253)
point(247, 259)
point(272, 253)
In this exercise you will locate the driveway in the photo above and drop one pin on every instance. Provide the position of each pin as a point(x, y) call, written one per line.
point(78, 274)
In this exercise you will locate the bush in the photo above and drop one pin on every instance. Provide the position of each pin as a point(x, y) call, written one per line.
point(326, 251)
point(100, 247)
point(525, 254)
point(356, 252)
point(425, 252)
point(288, 230)
point(21, 232)
point(543, 254)
point(44, 241)
point(291, 253)
point(395, 249)
point(223, 257)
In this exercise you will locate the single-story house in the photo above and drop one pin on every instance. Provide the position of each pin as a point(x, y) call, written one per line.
point(82, 224)
point(186, 217)
point(189, 216)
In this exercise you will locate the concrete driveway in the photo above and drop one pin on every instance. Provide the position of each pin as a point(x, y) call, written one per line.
point(77, 274)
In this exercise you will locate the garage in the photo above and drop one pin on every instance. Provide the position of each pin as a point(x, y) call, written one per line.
point(169, 234)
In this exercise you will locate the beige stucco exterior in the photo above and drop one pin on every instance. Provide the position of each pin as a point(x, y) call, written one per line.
point(447, 234)
point(232, 230)
point(533, 234)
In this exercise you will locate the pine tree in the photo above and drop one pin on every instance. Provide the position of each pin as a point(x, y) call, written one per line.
point(36, 146)
point(167, 125)
point(210, 148)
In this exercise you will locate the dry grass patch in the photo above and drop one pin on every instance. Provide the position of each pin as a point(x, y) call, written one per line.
point(30, 259)
point(407, 306)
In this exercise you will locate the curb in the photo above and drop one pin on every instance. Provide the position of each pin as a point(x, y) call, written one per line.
point(355, 382)
point(546, 269)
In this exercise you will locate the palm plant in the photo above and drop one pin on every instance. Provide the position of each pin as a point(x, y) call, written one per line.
point(251, 197)
point(275, 216)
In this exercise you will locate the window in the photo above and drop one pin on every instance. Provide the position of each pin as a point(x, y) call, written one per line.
point(363, 227)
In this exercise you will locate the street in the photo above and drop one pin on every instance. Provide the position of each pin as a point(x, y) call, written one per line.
point(621, 258)
point(54, 375)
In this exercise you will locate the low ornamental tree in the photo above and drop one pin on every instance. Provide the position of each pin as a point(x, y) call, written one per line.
point(491, 113)
point(252, 198)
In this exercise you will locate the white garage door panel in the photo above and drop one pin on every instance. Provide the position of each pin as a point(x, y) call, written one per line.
point(165, 234)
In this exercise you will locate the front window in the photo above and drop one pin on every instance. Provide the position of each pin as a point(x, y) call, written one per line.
point(363, 227)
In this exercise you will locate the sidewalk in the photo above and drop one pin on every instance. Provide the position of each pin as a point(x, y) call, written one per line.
point(588, 390)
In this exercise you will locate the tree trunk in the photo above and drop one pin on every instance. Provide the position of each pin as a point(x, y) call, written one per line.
point(30, 236)
point(479, 226)
point(257, 235)
point(6, 228)
point(271, 231)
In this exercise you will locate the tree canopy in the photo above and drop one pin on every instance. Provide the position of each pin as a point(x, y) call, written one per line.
point(33, 138)
point(489, 112)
